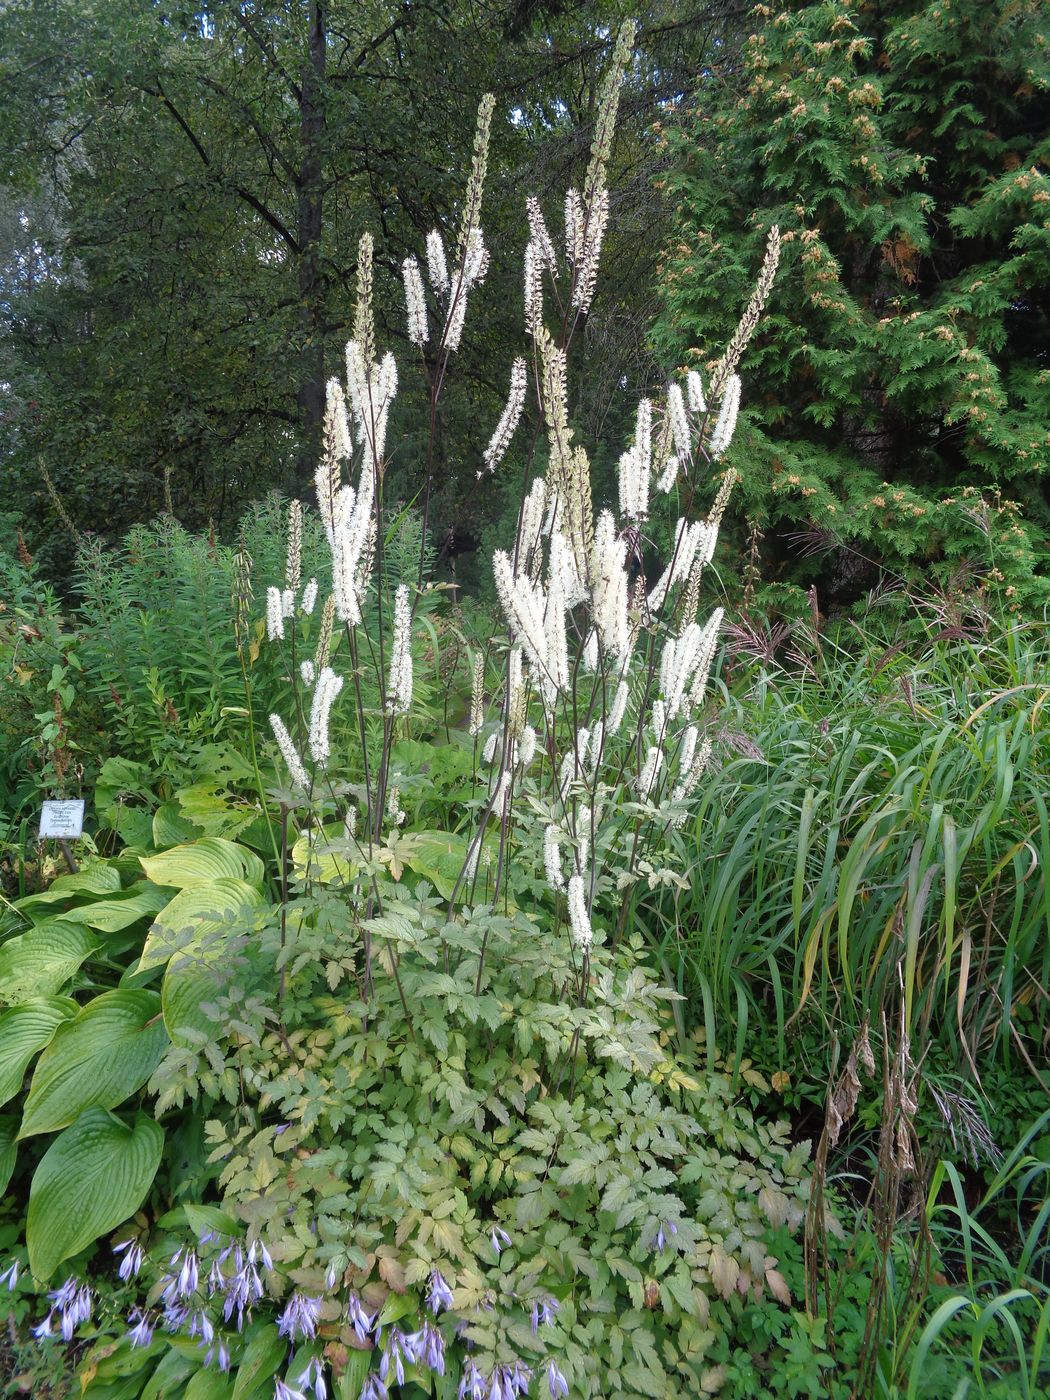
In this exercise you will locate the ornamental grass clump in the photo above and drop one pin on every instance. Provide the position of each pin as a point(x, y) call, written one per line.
point(454, 1133)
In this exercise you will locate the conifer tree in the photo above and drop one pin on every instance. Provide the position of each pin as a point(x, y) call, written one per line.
point(900, 387)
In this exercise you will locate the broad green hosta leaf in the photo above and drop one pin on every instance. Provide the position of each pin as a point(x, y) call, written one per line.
point(96, 1060)
point(23, 1031)
point(37, 963)
point(93, 880)
point(210, 1384)
point(323, 854)
point(110, 915)
point(195, 919)
point(436, 855)
point(182, 994)
point(202, 862)
point(264, 1351)
point(91, 1178)
point(170, 828)
point(8, 1148)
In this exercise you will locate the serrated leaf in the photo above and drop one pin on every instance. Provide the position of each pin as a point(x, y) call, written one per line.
point(23, 1031)
point(92, 1177)
point(97, 1059)
point(39, 962)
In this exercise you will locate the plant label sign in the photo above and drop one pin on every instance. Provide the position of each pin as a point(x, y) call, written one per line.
point(62, 820)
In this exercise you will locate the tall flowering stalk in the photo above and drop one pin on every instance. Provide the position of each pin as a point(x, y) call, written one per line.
point(595, 740)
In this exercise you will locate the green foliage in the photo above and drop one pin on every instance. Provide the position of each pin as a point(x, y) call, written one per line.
point(876, 812)
point(902, 151)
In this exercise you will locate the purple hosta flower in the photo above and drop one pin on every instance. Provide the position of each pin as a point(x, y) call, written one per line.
point(315, 1369)
point(543, 1312)
point(399, 1349)
point(175, 1315)
point(216, 1278)
point(432, 1348)
point(359, 1320)
point(43, 1329)
point(472, 1384)
point(439, 1295)
point(667, 1227)
point(132, 1262)
point(257, 1247)
point(74, 1303)
point(140, 1327)
point(300, 1317)
point(373, 1388)
point(218, 1354)
point(283, 1391)
point(184, 1283)
point(10, 1276)
point(556, 1382)
point(201, 1326)
point(243, 1289)
point(500, 1240)
point(520, 1376)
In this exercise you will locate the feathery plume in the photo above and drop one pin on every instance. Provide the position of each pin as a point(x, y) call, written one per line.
point(533, 272)
point(539, 236)
point(725, 424)
point(750, 319)
point(309, 598)
point(500, 440)
point(523, 606)
point(679, 423)
point(694, 387)
point(399, 692)
point(306, 672)
point(437, 267)
point(573, 226)
point(650, 772)
point(579, 919)
point(415, 302)
point(274, 615)
point(552, 858)
point(618, 708)
point(326, 689)
point(289, 753)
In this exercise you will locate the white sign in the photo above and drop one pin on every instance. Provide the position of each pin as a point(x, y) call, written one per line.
point(64, 820)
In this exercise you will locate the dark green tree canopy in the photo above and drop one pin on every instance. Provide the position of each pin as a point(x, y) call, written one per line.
point(903, 368)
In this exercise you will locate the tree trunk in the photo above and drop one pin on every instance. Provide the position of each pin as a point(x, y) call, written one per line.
point(310, 394)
